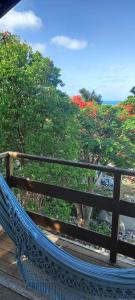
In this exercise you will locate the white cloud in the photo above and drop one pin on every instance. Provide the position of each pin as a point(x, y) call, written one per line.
point(115, 74)
point(19, 19)
point(39, 47)
point(69, 43)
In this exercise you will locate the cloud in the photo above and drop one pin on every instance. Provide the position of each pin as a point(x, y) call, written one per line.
point(39, 47)
point(114, 75)
point(69, 43)
point(19, 19)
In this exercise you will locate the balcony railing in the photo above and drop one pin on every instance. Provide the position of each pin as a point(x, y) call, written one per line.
point(112, 204)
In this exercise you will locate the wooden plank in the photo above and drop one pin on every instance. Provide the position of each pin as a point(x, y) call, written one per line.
point(9, 167)
point(84, 253)
point(7, 255)
point(5, 238)
point(10, 269)
point(66, 194)
point(6, 247)
point(126, 248)
point(127, 209)
point(83, 165)
point(5, 244)
point(7, 294)
point(3, 155)
point(71, 230)
point(115, 217)
point(19, 287)
point(80, 250)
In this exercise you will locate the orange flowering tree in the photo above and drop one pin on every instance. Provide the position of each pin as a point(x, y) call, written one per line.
point(105, 138)
point(106, 132)
point(129, 117)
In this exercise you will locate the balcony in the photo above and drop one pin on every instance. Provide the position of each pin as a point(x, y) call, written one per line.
point(66, 234)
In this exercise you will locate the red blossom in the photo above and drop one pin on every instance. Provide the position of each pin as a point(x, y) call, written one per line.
point(129, 108)
point(78, 100)
point(90, 103)
point(6, 34)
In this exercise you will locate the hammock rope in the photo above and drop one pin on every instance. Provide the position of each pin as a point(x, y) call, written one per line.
point(52, 271)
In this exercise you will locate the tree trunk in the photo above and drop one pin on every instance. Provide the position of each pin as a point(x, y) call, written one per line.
point(79, 211)
point(87, 210)
point(83, 211)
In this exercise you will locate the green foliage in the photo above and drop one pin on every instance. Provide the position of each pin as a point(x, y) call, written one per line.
point(32, 206)
point(90, 96)
point(104, 138)
point(36, 117)
point(129, 100)
point(58, 209)
point(65, 176)
point(133, 90)
point(34, 114)
point(102, 228)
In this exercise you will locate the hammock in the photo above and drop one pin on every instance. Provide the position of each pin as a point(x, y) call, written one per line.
point(49, 269)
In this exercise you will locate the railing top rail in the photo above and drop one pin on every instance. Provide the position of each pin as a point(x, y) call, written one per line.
point(72, 163)
point(3, 155)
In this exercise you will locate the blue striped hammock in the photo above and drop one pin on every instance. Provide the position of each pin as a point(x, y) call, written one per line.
point(49, 269)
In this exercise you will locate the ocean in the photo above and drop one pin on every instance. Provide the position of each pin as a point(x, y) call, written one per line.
point(111, 102)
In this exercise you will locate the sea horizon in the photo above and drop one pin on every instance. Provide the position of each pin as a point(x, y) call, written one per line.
point(111, 102)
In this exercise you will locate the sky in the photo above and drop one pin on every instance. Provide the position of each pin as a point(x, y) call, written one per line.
point(91, 41)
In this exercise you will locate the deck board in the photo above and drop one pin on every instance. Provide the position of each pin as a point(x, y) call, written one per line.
point(7, 294)
point(11, 284)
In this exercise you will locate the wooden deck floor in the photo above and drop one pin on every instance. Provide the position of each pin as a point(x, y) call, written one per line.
point(12, 287)
point(11, 283)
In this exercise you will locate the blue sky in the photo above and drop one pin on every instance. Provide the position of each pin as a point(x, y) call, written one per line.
point(91, 41)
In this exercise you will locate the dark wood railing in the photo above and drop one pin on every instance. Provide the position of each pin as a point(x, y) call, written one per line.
point(113, 204)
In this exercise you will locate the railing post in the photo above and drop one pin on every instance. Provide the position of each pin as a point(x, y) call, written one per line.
point(115, 217)
point(9, 167)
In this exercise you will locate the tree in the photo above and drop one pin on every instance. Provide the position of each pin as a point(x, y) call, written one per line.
point(34, 114)
point(37, 117)
point(105, 138)
point(128, 106)
point(90, 96)
point(133, 90)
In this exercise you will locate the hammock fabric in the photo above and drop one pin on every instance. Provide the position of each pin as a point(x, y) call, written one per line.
point(50, 270)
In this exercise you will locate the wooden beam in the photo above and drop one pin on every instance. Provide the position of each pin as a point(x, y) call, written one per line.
point(127, 209)
point(77, 164)
point(9, 167)
point(71, 230)
point(115, 217)
point(80, 233)
point(126, 249)
point(3, 155)
point(66, 194)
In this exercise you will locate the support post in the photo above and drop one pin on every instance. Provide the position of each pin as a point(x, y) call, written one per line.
point(115, 217)
point(9, 168)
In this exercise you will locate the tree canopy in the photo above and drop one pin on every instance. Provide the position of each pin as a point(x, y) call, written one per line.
point(133, 90)
point(90, 96)
point(37, 117)
point(107, 133)
point(35, 114)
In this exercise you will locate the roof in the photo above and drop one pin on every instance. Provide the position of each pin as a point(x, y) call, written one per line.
point(6, 5)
